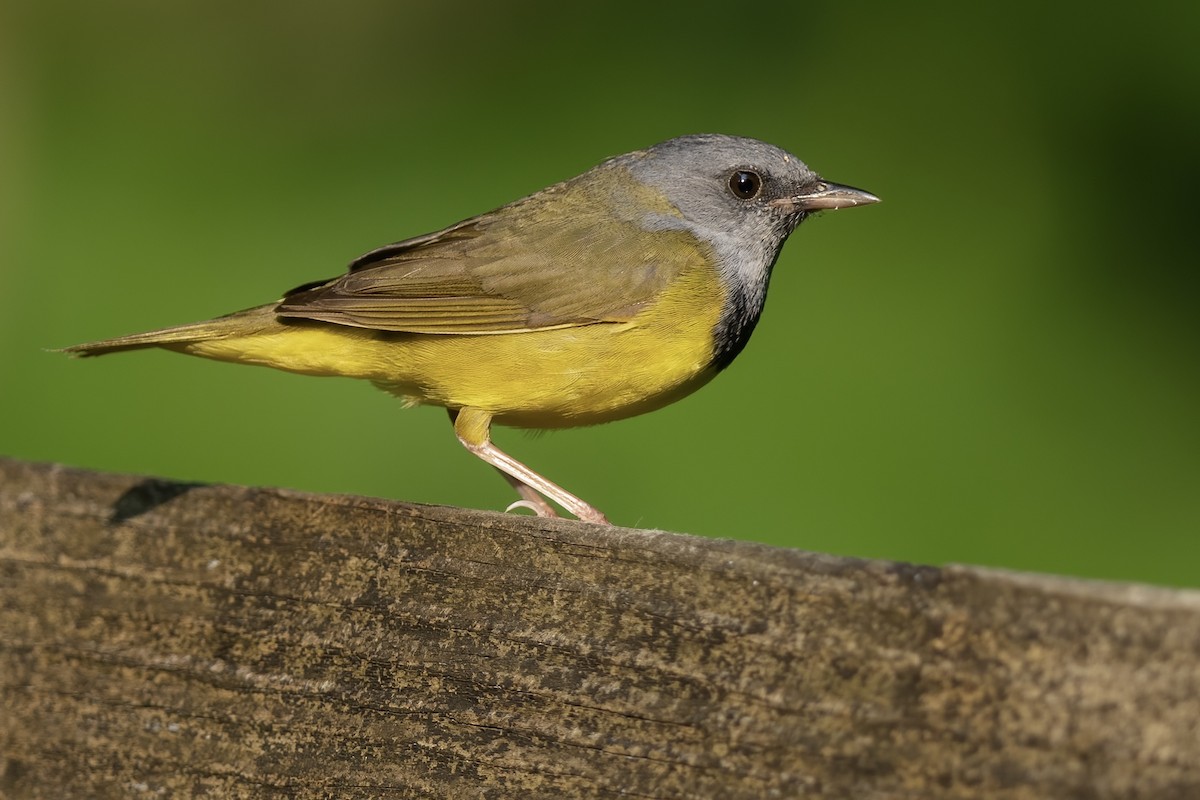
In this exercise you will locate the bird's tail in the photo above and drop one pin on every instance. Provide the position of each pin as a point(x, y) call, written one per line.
point(179, 336)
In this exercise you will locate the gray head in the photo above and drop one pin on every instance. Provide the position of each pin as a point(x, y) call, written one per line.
point(741, 197)
point(722, 181)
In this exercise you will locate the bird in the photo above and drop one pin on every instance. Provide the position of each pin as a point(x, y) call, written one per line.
point(598, 298)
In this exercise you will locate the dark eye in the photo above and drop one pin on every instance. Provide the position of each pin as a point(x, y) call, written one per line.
point(745, 184)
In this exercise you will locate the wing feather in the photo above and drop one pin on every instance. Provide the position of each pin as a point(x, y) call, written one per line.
point(550, 260)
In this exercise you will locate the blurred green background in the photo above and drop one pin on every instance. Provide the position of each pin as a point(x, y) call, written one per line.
point(1000, 364)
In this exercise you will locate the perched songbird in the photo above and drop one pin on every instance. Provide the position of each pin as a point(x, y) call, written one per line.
point(608, 295)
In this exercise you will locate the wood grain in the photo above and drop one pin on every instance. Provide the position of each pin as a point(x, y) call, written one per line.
point(161, 639)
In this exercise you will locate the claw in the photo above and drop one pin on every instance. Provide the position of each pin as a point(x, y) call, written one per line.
point(534, 507)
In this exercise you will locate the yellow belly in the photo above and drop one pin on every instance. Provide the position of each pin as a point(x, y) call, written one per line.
point(537, 379)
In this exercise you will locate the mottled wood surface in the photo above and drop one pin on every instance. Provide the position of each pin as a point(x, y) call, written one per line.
point(166, 640)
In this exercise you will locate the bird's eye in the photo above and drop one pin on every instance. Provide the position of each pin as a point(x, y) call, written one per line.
point(745, 184)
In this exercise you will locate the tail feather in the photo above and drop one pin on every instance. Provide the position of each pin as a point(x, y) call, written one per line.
point(219, 328)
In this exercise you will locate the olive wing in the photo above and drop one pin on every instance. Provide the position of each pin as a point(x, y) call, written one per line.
point(540, 263)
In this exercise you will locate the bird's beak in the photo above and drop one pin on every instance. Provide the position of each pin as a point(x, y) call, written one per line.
point(826, 195)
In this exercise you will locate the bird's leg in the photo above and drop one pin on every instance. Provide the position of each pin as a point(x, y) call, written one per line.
point(529, 497)
point(473, 428)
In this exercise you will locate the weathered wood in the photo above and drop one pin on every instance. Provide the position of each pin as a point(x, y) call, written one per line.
point(159, 639)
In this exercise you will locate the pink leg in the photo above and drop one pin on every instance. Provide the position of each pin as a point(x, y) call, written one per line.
point(529, 497)
point(473, 428)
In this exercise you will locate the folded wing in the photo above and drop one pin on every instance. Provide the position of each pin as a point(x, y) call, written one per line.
point(557, 259)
